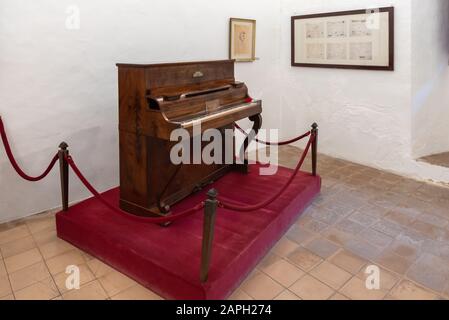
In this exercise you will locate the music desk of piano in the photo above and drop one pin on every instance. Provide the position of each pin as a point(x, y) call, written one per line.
point(156, 99)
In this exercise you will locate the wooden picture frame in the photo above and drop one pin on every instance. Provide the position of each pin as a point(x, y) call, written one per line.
point(356, 39)
point(242, 40)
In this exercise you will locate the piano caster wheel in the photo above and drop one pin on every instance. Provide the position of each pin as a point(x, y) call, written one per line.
point(165, 211)
point(163, 208)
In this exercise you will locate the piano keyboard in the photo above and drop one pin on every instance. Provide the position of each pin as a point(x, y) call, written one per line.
point(218, 114)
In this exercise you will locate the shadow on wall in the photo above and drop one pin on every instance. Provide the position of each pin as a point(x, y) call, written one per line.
point(430, 135)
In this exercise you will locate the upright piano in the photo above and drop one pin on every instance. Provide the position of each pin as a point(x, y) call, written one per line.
point(154, 100)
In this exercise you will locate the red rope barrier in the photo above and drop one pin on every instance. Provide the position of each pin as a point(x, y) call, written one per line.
point(14, 163)
point(263, 204)
point(97, 195)
point(282, 143)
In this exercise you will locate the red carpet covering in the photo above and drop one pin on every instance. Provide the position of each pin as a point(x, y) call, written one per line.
point(167, 260)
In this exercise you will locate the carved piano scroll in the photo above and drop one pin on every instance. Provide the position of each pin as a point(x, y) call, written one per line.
point(257, 124)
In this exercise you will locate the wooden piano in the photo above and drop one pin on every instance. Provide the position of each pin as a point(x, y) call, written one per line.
point(158, 98)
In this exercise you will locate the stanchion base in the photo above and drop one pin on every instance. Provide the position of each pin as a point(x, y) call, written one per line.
point(167, 260)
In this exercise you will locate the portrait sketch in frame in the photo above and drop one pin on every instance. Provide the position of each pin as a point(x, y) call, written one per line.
point(357, 39)
point(242, 39)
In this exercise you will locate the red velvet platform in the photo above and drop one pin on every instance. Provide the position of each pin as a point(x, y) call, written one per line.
point(167, 260)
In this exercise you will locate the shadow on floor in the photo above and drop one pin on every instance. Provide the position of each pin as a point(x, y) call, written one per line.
point(441, 160)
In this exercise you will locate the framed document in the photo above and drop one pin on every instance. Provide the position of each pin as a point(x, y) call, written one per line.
point(358, 39)
point(242, 39)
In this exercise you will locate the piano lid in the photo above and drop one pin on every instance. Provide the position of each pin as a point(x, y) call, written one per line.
point(173, 76)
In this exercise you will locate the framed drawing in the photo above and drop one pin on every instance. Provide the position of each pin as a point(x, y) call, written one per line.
point(358, 39)
point(242, 39)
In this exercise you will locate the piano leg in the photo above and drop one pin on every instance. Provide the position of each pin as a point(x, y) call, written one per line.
point(163, 208)
point(257, 124)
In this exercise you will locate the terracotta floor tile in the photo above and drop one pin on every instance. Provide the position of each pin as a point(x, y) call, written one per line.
point(437, 248)
point(376, 238)
point(37, 224)
point(287, 295)
point(389, 228)
point(136, 292)
point(42, 290)
point(387, 279)
point(54, 248)
point(348, 261)
point(299, 234)
point(430, 271)
point(59, 263)
point(331, 275)
point(336, 236)
point(386, 200)
point(90, 291)
point(87, 256)
point(339, 297)
point(349, 227)
point(44, 236)
point(261, 287)
point(99, 268)
point(322, 247)
point(363, 249)
point(446, 292)
point(86, 276)
point(428, 230)
point(115, 282)
point(5, 287)
point(393, 262)
point(315, 225)
point(356, 289)
point(22, 260)
point(2, 268)
point(340, 209)
point(240, 295)
point(268, 260)
point(400, 218)
point(373, 210)
point(405, 247)
point(407, 290)
point(326, 216)
point(13, 234)
point(17, 246)
point(284, 247)
point(406, 186)
point(309, 288)
point(304, 259)
point(363, 219)
point(283, 272)
point(433, 220)
point(28, 276)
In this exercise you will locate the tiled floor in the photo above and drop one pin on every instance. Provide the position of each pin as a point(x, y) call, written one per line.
point(441, 159)
point(363, 217)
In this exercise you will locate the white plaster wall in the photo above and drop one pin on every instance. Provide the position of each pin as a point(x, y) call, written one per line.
point(58, 84)
point(430, 77)
point(364, 116)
